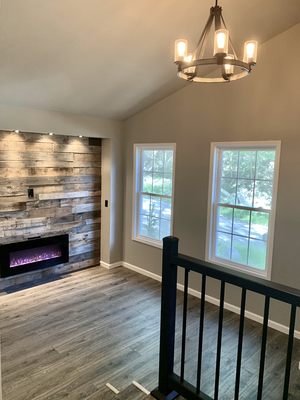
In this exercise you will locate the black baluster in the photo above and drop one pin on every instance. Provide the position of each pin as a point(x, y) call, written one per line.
point(201, 331)
point(289, 353)
point(184, 312)
point(219, 343)
point(263, 349)
point(240, 345)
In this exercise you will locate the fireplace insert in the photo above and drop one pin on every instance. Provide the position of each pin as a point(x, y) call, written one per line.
point(32, 254)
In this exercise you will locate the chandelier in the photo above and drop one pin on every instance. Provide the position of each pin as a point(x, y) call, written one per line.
point(229, 67)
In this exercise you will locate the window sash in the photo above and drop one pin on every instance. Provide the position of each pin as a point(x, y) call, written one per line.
point(216, 174)
point(138, 192)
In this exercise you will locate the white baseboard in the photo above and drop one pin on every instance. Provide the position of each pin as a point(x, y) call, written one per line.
point(230, 307)
point(111, 266)
point(142, 271)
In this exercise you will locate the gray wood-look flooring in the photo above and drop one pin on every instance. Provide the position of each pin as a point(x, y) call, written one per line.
point(66, 338)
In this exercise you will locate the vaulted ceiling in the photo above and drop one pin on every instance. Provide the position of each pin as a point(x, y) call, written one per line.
point(112, 57)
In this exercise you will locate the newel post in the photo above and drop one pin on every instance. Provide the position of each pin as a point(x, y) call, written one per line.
point(168, 316)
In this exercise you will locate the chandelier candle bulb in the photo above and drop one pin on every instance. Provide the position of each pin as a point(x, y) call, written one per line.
point(228, 67)
point(189, 59)
point(180, 50)
point(221, 41)
point(250, 52)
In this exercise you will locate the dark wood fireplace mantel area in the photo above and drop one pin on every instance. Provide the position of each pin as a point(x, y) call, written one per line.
point(50, 187)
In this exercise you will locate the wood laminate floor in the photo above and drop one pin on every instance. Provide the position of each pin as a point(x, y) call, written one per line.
point(66, 338)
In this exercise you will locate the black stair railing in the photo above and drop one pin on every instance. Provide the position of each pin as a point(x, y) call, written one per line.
point(172, 385)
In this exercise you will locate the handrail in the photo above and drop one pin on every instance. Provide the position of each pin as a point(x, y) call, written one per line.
point(277, 291)
point(171, 385)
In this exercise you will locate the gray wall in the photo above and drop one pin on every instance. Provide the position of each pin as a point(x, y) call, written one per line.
point(263, 106)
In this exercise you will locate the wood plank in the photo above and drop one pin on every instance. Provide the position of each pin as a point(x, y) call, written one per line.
point(84, 236)
point(82, 208)
point(22, 223)
point(94, 157)
point(76, 148)
point(35, 156)
point(83, 200)
point(68, 195)
point(38, 164)
point(34, 181)
point(12, 206)
point(26, 146)
point(50, 212)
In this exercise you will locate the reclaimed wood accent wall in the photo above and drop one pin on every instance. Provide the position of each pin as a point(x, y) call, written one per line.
point(65, 175)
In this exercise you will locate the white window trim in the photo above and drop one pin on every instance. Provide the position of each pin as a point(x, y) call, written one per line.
point(215, 146)
point(137, 184)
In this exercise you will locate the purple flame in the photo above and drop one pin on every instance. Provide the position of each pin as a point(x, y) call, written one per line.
point(29, 256)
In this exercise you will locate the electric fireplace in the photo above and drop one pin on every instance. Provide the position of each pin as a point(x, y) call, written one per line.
point(32, 254)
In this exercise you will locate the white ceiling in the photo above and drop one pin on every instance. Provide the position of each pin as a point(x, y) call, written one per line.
point(112, 57)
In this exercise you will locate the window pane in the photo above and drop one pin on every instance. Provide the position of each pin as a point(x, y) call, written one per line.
point(147, 160)
point(157, 183)
point(257, 254)
point(263, 194)
point(229, 163)
point(265, 164)
point(241, 222)
point(158, 165)
point(224, 219)
point(153, 231)
point(145, 204)
point(164, 228)
point(247, 164)
point(259, 225)
point(167, 188)
point(154, 170)
point(166, 208)
point(244, 195)
point(242, 180)
point(168, 161)
point(155, 206)
point(239, 249)
point(223, 245)
point(147, 182)
point(228, 191)
point(144, 225)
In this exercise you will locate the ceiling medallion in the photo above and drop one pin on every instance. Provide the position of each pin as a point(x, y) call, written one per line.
point(224, 58)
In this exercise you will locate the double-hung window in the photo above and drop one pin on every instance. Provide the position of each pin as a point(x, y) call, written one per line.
point(153, 192)
point(242, 198)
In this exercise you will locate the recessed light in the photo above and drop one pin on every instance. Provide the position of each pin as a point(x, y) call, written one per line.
point(17, 131)
point(51, 133)
point(80, 136)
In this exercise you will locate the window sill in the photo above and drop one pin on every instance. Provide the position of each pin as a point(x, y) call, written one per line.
point(238, 267)
point(149, 242)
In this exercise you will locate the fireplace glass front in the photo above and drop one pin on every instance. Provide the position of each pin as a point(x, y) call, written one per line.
point(33, 254)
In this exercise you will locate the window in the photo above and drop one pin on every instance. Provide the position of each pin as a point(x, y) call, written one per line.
point(242, 197)
point(153, 192)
